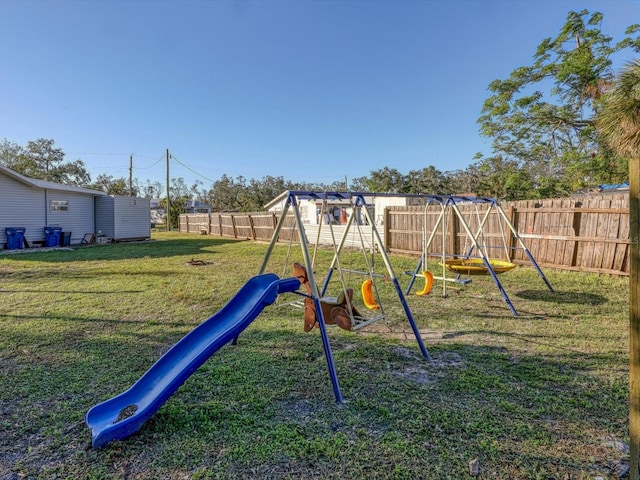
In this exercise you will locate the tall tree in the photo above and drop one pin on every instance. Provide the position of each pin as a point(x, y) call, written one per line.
point(506, 179)
point(150, 189)
point(465, 181)
point(226, 193)
point(41, 160)
point(261, 192)
point(10, 153)
point(180, 195)
point(427, 180)
point(387, 180)
point(542, 115)
point(113, 186)
point(619, 121)
point(358, 184)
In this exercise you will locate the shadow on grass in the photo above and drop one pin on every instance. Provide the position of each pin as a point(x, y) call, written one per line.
point(563, 297)
point(531, 400)
point(122, 251)
point(540, 340)
point(163, 335)
point(524, 415)
point(79, 292)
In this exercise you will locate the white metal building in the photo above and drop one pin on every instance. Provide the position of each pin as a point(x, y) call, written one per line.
point(123, 218)
point(35, 204)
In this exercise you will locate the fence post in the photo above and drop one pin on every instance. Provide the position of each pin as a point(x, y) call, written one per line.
point(576, 221)
point(386, 235)
point(253, 230)
point(233, 224)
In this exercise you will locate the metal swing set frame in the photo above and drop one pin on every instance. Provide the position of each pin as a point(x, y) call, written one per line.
point(465, 262)
point(360, 211)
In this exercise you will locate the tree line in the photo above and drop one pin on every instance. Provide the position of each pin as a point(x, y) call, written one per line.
point(542, 121)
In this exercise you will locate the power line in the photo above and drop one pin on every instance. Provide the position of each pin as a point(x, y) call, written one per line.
point(192, 170)
point(150, 166)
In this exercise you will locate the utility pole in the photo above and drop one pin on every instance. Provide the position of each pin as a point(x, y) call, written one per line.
point(634, 316)
point(168, 196)
point(131, 175)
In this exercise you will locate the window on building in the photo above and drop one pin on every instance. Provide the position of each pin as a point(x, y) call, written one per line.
point(59, 205)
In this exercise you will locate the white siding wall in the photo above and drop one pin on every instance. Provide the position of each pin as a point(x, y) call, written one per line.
point(123, 218)
point(78, 219)
point(21, 206)
point(105, 216)
point(353, 240)
point(132, 218)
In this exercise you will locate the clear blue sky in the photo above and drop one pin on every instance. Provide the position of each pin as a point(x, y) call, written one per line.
point(310, 90)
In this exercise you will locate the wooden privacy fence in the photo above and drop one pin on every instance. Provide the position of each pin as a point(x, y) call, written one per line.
point(257, 226)
point(260, 226)
point(588, 233)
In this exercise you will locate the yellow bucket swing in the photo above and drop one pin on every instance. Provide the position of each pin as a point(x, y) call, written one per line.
point(368, 297)
point(428, 284)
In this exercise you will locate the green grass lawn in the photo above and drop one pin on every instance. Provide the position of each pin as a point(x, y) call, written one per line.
point(539, 396)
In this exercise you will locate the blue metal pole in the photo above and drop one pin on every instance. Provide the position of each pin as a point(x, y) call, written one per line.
point(327, 352)
point(412, 322)
point(524, 247)
point(503, 292)
point(413, 277)
point(316, 301)
point(535, 264)
point(396, 284)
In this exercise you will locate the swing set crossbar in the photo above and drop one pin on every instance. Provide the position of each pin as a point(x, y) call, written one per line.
point(456, 279)
point(463, 281)
point(362, 272)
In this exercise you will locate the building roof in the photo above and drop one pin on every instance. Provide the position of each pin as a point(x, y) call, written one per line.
point(35, 183)
point(368, 197)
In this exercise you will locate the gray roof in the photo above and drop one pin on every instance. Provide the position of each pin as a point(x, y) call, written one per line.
point(33, 182)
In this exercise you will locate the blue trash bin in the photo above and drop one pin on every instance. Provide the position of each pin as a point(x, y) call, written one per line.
point(15, 238)
point(52, 236)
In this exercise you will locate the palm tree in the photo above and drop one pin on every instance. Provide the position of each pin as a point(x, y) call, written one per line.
point(619, 122)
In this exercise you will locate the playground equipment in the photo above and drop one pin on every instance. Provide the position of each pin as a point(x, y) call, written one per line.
point(352, 233)
point(360, 217)
point(475, 258)
point(368, 296)
point(335, 310)
point(428, 283)
point(476, 266)
point(124, 414)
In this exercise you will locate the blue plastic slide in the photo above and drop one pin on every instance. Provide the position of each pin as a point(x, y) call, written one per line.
point(123, 415)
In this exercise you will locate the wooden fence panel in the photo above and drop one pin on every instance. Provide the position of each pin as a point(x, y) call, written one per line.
point(264, 225)
point(404, 229)
point(243, 227)
point(227, 225)
point(288, 232)
point(215, 226)
point(588, 233)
